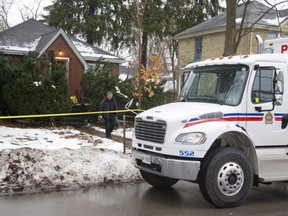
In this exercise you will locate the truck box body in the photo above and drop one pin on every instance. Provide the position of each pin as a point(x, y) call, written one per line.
point(279, 45)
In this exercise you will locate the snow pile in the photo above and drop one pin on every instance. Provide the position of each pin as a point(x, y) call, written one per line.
point(34, 160)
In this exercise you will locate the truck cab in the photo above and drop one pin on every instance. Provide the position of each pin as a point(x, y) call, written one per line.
point(226, 132)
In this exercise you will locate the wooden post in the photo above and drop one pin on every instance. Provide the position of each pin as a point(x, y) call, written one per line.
point(124, 133)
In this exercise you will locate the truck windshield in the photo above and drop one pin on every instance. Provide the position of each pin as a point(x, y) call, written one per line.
point(223, 84)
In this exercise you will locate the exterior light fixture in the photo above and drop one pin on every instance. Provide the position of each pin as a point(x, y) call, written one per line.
point(60, 52)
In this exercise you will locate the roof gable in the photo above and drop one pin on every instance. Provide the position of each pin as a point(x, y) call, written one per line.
point(45, 42)
point(254, 11)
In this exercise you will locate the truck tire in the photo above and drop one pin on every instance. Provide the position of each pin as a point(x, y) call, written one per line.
point(225, 178)
point(158, 181)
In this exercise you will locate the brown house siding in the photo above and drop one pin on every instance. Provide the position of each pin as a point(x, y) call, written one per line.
point(76, 68)
point(115, 71)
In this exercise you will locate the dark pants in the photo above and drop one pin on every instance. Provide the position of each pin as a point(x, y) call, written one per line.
point(110, 123)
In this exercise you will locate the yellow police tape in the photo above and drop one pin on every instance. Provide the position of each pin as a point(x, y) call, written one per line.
point(68, 114)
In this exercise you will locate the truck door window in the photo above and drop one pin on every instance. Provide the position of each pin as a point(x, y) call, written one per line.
point(262, 90)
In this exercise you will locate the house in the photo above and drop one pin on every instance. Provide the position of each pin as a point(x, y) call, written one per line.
point(76, 55)
point(207, 39)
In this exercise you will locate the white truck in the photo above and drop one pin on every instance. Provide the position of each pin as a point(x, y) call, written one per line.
point(227, 131)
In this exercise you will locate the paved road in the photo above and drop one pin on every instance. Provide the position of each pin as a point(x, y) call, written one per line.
point(141, 200)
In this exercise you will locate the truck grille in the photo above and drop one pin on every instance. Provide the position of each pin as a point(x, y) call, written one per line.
point(150, 131)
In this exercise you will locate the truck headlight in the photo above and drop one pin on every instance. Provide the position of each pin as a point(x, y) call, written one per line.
point(194, 138)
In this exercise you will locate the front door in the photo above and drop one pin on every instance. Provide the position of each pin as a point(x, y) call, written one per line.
point(64, 62)
point(264, 121)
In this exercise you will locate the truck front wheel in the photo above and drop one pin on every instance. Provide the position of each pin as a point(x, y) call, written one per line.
point(226, 177)
point(158, 181)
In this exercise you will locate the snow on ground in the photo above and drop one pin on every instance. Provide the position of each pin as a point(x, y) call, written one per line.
point(47, 159)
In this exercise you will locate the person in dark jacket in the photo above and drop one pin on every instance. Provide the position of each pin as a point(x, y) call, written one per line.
point(109, 104)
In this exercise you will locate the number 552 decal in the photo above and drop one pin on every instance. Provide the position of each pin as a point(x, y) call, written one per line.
point(186, 153)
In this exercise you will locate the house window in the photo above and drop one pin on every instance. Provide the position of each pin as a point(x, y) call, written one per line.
point(272, 35)
point(198, 49)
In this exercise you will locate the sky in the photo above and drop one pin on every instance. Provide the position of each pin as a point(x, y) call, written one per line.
point(49, 159)
point(14, 16)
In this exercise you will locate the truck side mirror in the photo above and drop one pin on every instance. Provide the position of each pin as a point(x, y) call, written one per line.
point(284, 121)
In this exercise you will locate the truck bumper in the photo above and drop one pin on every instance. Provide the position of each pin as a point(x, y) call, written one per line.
point(169, 167)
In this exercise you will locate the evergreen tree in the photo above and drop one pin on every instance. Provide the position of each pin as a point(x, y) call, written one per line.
point(27, 89)
point(89, 19)
point(124, 23)
point(96, 82)
point(6, 76)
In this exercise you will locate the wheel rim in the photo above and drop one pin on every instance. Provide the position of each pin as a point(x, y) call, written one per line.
point(230, 179)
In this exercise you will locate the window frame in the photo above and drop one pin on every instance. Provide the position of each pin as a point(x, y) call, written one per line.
point(257, 99)
point(198, 49)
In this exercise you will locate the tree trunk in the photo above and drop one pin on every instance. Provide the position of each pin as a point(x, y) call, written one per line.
point(230, 34)
point(90, 33)
point(144, 49)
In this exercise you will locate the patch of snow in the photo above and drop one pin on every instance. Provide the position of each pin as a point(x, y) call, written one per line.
point(168, 86)
point(275, 22)
point(119, 92)
point(238, 20)
point(88, 51)
point(123, 76)
point(118, 132)
point(28, 47)
point(61, 158)
point(37, 83)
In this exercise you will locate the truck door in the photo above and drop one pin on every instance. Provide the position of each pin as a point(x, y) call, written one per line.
point(264, 118)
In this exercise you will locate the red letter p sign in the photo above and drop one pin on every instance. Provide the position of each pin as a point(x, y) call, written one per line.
point(284, 48)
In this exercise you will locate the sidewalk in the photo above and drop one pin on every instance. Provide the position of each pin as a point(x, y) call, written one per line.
point(128, 141)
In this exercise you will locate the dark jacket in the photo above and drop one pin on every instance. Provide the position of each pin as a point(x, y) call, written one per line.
point(108, 105)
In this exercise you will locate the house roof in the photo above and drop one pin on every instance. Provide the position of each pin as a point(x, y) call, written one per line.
point(33, 35)
point(92, 53)
point(254, 11)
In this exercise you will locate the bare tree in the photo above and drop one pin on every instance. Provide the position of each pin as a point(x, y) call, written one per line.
point(233, 35)
point(277, 12)
point(5, 6)
point(31, 10)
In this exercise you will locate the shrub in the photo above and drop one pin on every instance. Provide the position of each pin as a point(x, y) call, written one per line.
point(96, 82)
point(26, 88)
